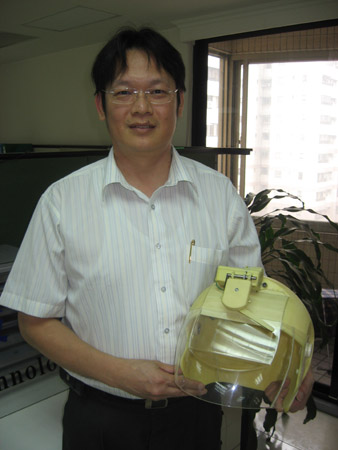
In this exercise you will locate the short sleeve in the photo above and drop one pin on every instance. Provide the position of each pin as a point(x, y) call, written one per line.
point(37, 284)
point(244, 246)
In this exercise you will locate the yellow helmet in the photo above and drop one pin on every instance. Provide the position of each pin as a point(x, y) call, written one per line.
point(244, 336)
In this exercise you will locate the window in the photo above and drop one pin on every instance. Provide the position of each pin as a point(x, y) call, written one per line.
point(327, 138)
point(327, 100)
point(323, 177)
point(282, 101)
point(324, 158)
point(327, 120)
point(214, 79)
point(294, 129)
point(328, 80)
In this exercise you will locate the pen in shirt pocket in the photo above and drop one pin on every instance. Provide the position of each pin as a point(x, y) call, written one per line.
point(192, 244)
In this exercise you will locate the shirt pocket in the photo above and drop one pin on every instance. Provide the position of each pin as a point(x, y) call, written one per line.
point(201, 268)
point(202, 255)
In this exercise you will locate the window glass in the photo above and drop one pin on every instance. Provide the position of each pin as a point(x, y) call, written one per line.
point(292, 126)
point(212, 139)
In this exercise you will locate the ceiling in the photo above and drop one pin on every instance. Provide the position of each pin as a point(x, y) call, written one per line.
point(29, 28)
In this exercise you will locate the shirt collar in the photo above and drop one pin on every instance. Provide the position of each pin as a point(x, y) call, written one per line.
point(112, 172)
point(178, 172)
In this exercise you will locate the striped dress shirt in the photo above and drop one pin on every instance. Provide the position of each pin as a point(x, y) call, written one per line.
point(114, 264)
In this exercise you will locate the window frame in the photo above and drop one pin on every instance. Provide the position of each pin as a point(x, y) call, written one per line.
point(234, 166)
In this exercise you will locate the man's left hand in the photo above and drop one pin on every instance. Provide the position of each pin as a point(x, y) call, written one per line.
point(303, 393)
point(302, 396)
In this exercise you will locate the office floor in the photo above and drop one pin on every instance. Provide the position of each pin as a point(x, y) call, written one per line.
point(38, 427)
point(291, 434)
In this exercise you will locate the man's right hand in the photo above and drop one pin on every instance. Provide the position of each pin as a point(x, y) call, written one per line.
point(154, 380)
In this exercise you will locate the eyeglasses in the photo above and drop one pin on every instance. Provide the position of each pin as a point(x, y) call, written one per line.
point(127, 96)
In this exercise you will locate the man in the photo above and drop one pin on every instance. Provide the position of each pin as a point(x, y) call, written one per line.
point(110, 253)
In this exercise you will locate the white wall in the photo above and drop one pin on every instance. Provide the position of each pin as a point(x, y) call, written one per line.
point(258, 15)
point(49, 99)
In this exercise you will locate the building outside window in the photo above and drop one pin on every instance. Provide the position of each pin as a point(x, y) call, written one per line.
point(285, 109)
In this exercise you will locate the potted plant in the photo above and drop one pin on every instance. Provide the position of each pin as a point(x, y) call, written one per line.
point(292, 253)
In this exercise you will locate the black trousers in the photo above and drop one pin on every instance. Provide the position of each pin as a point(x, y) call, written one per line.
point(104, 422)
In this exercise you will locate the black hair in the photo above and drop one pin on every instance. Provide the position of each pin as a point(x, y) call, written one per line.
point(112, 59)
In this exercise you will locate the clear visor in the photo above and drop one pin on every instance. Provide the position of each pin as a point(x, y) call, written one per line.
point(242, 365)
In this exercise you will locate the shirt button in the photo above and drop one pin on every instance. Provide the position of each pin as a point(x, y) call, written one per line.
point(158, 246)
point(152, 206)
point(166, 330)
point(163, 288)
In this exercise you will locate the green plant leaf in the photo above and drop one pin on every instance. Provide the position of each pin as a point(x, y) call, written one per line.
point(301, 270)
point(270, 419)
point(311, 410)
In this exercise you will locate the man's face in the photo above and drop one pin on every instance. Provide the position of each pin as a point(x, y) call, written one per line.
point(141, 126)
